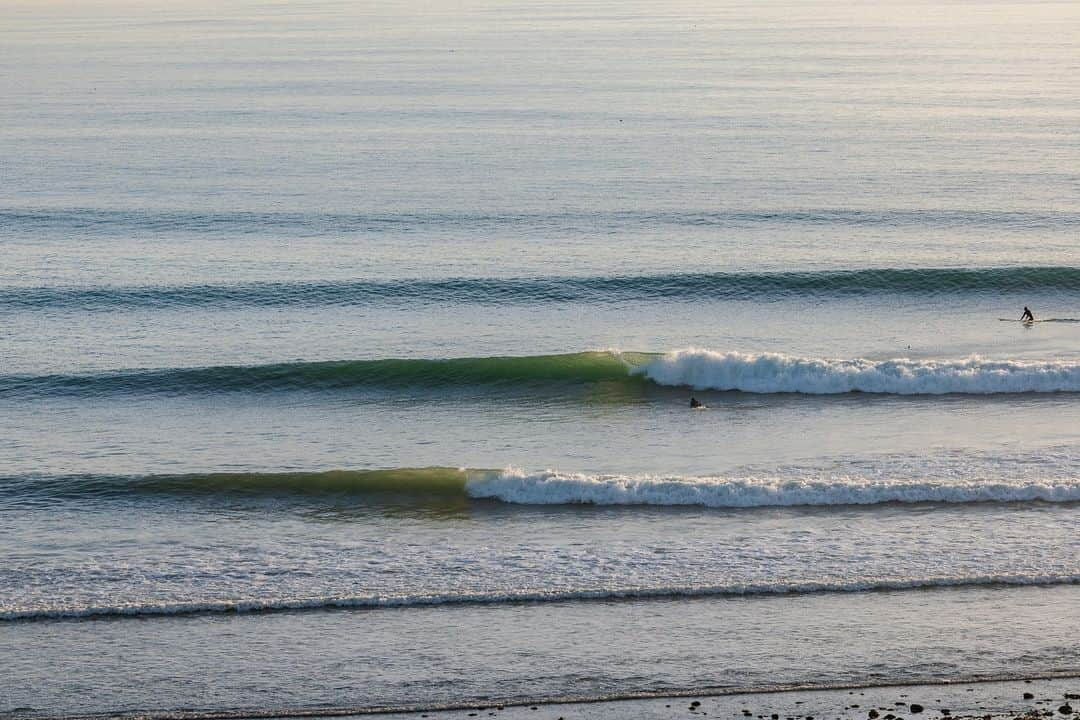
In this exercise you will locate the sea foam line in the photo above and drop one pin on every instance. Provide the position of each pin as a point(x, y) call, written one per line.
point(780, 373)
point(262, 605)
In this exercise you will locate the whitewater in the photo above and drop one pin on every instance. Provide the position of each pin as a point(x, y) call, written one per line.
point(780, 373)
point(555, 488)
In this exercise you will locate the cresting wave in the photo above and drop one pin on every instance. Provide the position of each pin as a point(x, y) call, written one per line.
point(629, 593)
point(778, 373)
point(631, 288)
point(555, 488)
point(550, 487)
point(766, 373)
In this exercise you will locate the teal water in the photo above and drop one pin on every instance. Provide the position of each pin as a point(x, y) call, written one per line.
point(350, 347)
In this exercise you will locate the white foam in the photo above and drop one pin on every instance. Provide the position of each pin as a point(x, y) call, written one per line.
point(778, 373)
point(555, 488)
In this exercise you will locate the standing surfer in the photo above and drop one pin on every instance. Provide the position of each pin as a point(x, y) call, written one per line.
point(1027, 316)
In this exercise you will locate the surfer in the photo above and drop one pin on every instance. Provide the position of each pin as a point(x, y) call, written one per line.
point(1027, 316)
point(695, 403)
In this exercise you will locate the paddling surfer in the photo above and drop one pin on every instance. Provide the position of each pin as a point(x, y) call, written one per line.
point(1027, 316)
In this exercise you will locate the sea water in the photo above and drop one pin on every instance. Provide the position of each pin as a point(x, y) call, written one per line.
point(346, 350)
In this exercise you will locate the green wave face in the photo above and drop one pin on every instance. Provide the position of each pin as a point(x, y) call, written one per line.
point(418, 483)
point(431, 482)
point(575, 367)
point(586, 367)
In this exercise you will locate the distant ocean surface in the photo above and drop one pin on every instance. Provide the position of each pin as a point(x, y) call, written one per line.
point(346, 350)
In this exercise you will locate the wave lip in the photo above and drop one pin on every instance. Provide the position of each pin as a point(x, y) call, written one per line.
point(582, 289)
point(796, 587)
point(554, 488)
point(779, 373)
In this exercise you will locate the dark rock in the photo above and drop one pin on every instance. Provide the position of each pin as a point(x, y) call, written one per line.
point(774, 716)
point(915, 708)
point(1029, 696)
point(873, 714)
point(1065, 709)
point(945, 711)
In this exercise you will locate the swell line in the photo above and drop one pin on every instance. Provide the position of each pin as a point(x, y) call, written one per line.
point(322, 603)
point(101, 221)
point(600, 289)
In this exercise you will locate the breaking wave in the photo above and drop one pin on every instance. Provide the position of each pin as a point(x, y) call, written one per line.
point(778, 373)
point(692, 368)
point(551, 487)
point(555, 488)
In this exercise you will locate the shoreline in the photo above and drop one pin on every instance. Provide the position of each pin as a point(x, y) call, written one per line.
point(974, 698)
point(980, 698)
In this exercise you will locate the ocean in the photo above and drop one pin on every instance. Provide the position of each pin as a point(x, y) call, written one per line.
point(347, 350)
